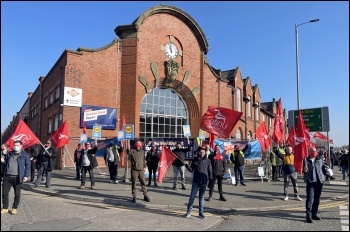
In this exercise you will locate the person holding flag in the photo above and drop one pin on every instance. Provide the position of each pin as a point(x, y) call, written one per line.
point(289, 171)
point(17, 170)
point(202, 173)
point(46, 162)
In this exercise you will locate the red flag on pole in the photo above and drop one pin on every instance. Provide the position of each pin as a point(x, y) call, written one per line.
point(60, 137)
point(211, 140)
point(291, 137)
point(220, 121)
point(320, 136)
point(24, 134)
point(166, 159)
point(277, 134)
point(263, 137)
point(123, 144)
point(84, 127)
point(300, 148)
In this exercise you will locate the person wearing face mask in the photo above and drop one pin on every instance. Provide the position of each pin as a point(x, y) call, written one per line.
point(178, 164)
point(87, 163)
point(218, 164)
point(16, 171)
point(4, 152)
point(314, 176)
point(289, 172)
point(46, 162)
point(138, 165)
point(152, 159)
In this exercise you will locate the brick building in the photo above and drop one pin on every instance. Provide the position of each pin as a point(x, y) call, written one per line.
point(156, 74)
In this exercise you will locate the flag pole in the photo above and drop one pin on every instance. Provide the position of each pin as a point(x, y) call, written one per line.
point(69, 157)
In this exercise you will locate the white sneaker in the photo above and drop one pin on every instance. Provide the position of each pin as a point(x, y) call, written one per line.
point(111, 181)
point(298, 198)
point(116, 182)
point(285, 198)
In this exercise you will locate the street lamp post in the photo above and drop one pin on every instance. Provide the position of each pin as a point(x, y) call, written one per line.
point(297, 58)
point(255, 105)
point(246, 100)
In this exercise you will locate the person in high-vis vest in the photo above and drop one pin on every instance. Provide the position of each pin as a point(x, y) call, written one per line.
point(238, 160)
point(289, 172)
point(274, 160)
point(112, 159)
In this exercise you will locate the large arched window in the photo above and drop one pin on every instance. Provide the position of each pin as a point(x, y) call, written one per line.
point(162, 115)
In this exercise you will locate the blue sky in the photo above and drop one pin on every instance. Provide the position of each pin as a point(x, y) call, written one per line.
point(259, 37)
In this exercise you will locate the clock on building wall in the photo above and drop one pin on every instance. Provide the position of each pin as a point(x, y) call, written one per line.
point(171, 50)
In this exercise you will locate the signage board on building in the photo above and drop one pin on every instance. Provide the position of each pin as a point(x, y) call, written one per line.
point(315, 119)
point(106, 117)
point(72, 96)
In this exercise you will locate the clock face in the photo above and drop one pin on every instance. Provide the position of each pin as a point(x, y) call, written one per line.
point(170, 50)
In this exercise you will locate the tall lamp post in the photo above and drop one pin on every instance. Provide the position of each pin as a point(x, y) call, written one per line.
point(246, 100)
point(255, 105)
point(297, 58)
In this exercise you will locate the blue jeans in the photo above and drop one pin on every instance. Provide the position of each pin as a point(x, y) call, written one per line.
point(77, 171)
point(176, 170)
point(195, 187)
point(313, 194)
point(239, 170)
point(345, 171)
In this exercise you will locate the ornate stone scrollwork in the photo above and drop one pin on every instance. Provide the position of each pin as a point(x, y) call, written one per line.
point(145, 83)
point(193, 93)
point(154, 69)
point(172, 68)
point(186, 79)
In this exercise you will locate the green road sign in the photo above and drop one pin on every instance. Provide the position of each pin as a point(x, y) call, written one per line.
point(312, 119)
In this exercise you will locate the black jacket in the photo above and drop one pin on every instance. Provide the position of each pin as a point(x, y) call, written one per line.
point(202, 170)
point(320, 170)
point(181, 154)
point(91, 156)
point(52, 159)
point(152, 158)
point(218, 164)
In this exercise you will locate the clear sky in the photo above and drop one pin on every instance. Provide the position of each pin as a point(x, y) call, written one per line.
point(259, 37)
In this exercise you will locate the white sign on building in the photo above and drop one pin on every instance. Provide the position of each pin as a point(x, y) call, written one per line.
point(72, 96)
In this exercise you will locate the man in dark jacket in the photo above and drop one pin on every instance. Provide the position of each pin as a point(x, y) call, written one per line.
point(238, 160)
point(202, 173)
point(152, 159)
point(87, 163)
point(112, 158)
point(138, 165)
point(46, 162)
point(16, 171)
point(314, 176)
point(218, 164)
point(77, 157)
point(178, 164)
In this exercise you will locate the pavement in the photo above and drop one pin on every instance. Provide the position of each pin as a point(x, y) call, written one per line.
point(258, 194)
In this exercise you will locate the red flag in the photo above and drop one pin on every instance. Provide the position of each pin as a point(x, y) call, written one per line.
point(220, 121)
point(211, 140)
point(300, 148)
point(84, 127)
point(309, 143)
point(263, 137)
point(24, 134)
point(277, 134)
point(60, 137)
point(320, 136)
point(123, 144)
point(291, 137)
point(166, 159)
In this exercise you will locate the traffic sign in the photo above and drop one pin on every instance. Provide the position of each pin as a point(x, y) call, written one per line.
point(315, 119)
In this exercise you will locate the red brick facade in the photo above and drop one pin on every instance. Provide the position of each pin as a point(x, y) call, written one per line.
point(121, 73)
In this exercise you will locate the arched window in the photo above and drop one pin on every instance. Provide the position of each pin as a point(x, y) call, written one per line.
point(162, 114)
point(238, 134)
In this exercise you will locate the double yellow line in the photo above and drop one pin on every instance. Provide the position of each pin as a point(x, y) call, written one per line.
point(322, 206)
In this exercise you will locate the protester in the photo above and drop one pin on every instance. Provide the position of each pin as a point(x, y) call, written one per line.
point(112, 159)
point(289, 171)
point(218, 164)
point(332, 158)
point(274, 159)
point(178, 164)
point(87, 163)
point(202, 173)
point(238, 160)
point(314, 177)
point(4, 152)
point(208, 150)
point(138, 165)
point(77, 157)
point(33, 153)
point(16, 171)
point(152, 159)
point(344, 163)
point(46, 161)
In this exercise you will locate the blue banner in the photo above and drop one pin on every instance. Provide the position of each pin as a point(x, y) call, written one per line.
point(227, 147)
point(103, 144)
point(106, 117)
